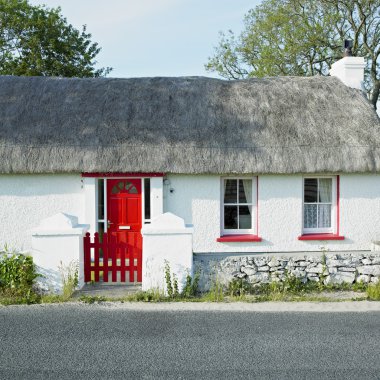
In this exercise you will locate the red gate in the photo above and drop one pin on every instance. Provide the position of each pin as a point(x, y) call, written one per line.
point(112, 259)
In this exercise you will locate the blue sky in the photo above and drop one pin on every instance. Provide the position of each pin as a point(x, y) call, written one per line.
point(155, 37)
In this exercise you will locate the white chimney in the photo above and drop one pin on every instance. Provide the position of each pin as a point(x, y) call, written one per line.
point(350, 70)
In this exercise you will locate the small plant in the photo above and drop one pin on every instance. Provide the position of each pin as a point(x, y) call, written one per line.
point(69, 277)
point(92, 299)
point(293, 284)
point(171, 282)
point(216, 292)
point(191, 286)
point(373, 292)
point(238, 287)
point(152, 295)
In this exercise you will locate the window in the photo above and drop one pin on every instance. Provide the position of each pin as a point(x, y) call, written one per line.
point(319, 204)
point(238, 204)
point(147, 216)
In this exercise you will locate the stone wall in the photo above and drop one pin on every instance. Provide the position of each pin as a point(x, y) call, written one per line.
point(329, 268)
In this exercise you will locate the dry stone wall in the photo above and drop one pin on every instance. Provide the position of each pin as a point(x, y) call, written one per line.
point(329, 268)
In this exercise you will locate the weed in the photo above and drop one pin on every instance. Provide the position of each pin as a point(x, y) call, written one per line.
point(216, 292)
point(152, 295)
point(238, 287)
point(373, 292)
point(69, 277)
point(191, 287)
point(92, 299)
point(168, 279)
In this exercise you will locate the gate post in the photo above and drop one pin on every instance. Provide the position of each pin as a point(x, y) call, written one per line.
point(58, 239)
point(166, 239)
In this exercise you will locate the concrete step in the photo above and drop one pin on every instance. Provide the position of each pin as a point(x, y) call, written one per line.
point(114, 290)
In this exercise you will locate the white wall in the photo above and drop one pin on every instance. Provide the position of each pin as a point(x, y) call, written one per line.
point(197, 200)
point(27, 199)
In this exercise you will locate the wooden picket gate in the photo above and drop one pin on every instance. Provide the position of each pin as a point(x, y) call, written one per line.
point(110, 260)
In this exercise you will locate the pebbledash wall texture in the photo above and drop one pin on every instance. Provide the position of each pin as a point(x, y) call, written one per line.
point(27, 199)
point(197, 199)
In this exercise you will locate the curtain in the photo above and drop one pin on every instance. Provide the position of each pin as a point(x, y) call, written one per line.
point(324, 216)
point(325, 189)
point(247, 185)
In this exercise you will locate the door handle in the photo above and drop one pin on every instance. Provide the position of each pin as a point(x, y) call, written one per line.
point(124, 227)
point(109, 224)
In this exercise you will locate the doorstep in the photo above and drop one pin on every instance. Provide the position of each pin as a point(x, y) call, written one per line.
point(114, 290)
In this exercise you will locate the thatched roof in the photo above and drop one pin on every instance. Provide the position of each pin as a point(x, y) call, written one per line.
point(186, 125)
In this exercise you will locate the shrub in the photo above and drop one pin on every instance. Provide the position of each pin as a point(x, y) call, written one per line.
point(17, 277)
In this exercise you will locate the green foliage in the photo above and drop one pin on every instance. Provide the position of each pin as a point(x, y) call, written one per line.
point(171, 282)
point(238, 287)
point(301, 37)
point(216, 292)
point(191, 286)
point(17, 277)
point(152, 295)
point(92, 299)
point(36, 40)
point(373, 292)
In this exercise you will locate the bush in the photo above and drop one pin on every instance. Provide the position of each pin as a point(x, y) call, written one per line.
point(17, 277)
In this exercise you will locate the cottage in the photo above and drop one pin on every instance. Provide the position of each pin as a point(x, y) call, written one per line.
point(276, 166)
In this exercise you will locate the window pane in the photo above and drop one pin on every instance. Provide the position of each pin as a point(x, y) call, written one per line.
point(324, 216)
point(245, 191)
point(311, 190)
point(325, 190)
point(230, 191)
point(101, 199)
point(245, 217)
point(230, 217)
point(310, 216)
point(147, 197)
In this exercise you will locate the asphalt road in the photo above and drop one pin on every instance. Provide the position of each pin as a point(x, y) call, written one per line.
point(107, 342)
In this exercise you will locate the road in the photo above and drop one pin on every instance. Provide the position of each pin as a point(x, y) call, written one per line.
point(110, 342)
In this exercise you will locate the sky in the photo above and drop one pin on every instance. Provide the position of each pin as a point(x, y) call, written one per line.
point(155, 37)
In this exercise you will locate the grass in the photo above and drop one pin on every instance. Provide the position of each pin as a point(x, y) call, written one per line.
point(373, 292)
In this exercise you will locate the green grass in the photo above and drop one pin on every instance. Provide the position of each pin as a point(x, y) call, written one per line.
point(373, 292)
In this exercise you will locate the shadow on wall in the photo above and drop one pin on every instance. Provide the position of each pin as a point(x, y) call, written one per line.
point(34, 185)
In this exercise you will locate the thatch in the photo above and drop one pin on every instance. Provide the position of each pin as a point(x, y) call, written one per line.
point(186, 125)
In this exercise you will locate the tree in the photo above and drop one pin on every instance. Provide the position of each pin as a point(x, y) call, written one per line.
point(302, 37)
point(36, 40)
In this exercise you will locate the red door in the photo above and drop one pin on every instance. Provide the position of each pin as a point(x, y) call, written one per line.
point(125, 218)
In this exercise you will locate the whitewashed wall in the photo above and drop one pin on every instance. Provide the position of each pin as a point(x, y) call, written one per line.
point(27, 199)
point(197, 200)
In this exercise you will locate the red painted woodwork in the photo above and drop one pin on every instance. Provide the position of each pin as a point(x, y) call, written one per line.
point(337, 204)
point(238, 238)
point(257, 205)
point(113, 175)
point(120, 250)
point(124, 209)
point(116, 257)
point(320, 237)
